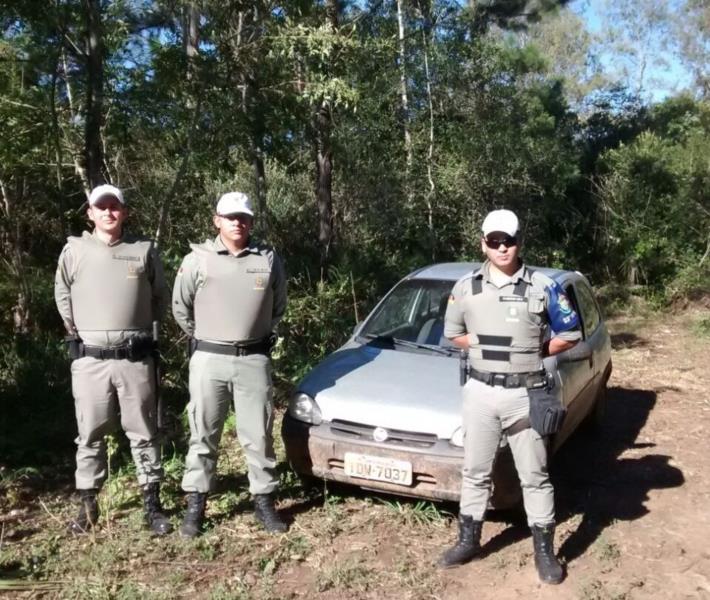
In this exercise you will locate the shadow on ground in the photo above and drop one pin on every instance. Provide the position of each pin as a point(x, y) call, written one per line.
point(592, 478)
point(627, 340)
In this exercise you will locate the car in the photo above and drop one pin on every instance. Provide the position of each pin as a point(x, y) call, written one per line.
point(383, 412)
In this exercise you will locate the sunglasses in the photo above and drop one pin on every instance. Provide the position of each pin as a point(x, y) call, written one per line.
point(495, 242)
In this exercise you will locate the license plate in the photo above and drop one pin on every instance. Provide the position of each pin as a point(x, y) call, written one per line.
point(377, 468)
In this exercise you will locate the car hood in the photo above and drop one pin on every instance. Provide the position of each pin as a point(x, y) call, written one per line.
point(395, 389)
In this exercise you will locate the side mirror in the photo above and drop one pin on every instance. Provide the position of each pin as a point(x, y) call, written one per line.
point(580, 351)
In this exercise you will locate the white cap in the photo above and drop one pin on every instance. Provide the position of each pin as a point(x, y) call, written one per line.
point(500, 220)
point(101, 191)
point(234, 203)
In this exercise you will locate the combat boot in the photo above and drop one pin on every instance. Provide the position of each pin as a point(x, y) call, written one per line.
point(266, 514)
point(194, 516)
point(548, 567)
point(467, 546)
point(154, 516)
point(88, 512)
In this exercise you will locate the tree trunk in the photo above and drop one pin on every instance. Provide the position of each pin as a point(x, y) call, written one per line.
point(323, 123)
point(431, 193)
point(74, 144)
point(13, 245)
point(404, 96)
point(324, 183)
point(191, 38)
point(94, 93)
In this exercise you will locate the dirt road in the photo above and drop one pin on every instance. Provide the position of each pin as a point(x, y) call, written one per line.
point(633, 506)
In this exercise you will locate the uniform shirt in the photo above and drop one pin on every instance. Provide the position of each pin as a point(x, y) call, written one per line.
point(66, 274)
point(191, 278)
point(546, 302)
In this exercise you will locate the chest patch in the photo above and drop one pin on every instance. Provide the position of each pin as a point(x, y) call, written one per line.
point(512, 299)
point(134, 271)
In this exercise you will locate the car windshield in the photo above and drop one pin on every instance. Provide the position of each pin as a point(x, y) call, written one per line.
point(412, 312)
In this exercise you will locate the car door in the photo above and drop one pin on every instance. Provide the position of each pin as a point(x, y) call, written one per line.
point(585, 374)
point(573, 376)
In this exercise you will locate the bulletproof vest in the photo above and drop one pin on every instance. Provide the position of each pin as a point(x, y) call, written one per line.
point(236, 300)
point(110, 290)
point(508, 326)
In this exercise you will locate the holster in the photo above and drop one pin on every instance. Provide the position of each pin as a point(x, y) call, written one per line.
point(546, 412)
point(463, 367)
point(75, 346)
point(140, 345)
point(191, 346)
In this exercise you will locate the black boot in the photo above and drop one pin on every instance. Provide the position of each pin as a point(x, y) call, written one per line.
point(194, 516)
point(266, 514)
point(154, 516)
point(88, 513)
point(548, 567)
point(467, 546)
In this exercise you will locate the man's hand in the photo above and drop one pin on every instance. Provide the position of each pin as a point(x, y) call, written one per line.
point(461, 341)
point(556, 345)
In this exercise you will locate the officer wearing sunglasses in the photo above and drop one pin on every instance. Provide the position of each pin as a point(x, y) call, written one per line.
point(501, 314)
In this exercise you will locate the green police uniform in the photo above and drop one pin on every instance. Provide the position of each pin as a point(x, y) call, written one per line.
point(507, 324)
point(106, 293)
point(230, 304)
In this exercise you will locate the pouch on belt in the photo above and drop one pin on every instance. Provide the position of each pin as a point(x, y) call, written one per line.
point(546, 412)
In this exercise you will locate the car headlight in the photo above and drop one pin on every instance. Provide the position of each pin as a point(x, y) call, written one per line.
point(304, 408)
point(457, 438)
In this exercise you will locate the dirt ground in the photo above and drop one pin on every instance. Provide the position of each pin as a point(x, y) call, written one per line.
point(633, 509)
point(634, 503)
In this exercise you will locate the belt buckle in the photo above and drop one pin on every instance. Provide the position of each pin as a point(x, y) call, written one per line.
point(512, 380)
point(241, 351)
point(499, 379)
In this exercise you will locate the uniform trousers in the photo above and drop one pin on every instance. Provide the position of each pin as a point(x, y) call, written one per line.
point(102, 390)
point(216, 381)
point(487, 411)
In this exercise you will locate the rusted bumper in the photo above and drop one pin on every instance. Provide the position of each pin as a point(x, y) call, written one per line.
point(436, 471)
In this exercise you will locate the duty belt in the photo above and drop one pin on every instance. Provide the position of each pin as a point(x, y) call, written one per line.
point(120, 352)
point(510, 380)
point(261, 347)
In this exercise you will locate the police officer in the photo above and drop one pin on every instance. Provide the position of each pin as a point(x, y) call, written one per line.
point(109, 288)
point(501, 314)
point(229, 295)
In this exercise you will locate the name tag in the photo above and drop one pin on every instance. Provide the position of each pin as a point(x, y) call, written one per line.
point(131, 258)
point(512, 299)
point(257, 270)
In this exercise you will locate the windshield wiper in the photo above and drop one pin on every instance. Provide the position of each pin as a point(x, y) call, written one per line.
point(396, 341)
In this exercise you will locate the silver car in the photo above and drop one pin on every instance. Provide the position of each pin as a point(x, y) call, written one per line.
point(383, 412)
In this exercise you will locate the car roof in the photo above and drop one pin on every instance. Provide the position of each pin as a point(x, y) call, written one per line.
point(453, 271)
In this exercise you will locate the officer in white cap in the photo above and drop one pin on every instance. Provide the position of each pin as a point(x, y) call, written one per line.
point(109, 290)
point(229, 295)
point(501, 314)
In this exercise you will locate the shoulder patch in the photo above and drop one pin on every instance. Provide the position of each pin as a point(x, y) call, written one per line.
point(564, 303)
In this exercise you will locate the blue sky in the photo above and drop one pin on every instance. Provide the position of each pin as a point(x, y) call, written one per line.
point(664, 76)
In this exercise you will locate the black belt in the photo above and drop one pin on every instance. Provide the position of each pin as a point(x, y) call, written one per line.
point(120, 352)
point(510, 380)
point(262, 347)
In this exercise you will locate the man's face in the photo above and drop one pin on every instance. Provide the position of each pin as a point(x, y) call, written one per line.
point(235, 228)
point(108, 215)
point(501, 250)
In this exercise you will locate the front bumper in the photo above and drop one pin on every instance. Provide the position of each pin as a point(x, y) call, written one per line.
point(436, 470)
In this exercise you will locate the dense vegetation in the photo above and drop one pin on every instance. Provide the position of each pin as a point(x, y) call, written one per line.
point(372, 136)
